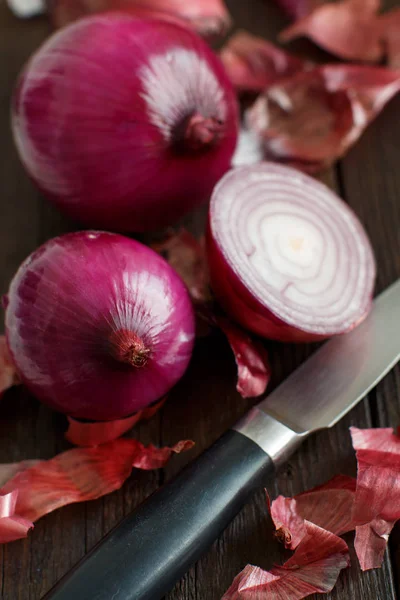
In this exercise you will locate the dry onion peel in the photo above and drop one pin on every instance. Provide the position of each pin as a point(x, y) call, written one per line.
point(288, 259)
point(312, 118)
point(346, 29)
point(376, 504)
point(83, 474)
point(296, 9)
point(254, 371)
point(302, 123)
point(8, 374)
point(350, 29)
point(84, 433)
point(313, 568)
point(12, 526)
point(188, 257)
point(330, 506)
point(9, 470)
point(253, 63)
point(369, 504)
point(210, 18)
point(310, 524)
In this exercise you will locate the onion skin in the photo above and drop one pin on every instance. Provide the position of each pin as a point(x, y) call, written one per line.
point(297, 9)
point(125, 124)
point(311, 119)
point(78, 304)
point(240, 301)
point(254, 64)
point(210, 18)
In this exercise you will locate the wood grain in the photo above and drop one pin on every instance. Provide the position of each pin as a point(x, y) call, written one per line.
point(205, 402)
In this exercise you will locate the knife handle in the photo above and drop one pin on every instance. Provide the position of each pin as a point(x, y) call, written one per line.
point(143, 557)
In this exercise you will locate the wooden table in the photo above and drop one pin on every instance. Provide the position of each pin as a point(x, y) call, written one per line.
point(205, 403)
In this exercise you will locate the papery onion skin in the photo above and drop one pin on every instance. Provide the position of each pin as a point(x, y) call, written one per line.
point(124, 123)
point(256, 305)
point(296, 9)
point(99, 326)
point(253, 64)
point(311, 119)
point(345, 28)
point(210, 18)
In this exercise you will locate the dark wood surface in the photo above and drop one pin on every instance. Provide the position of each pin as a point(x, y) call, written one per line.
point(205, 403)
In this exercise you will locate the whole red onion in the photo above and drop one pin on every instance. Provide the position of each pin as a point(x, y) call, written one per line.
point(98, 325)
point(288, 259)
point(125, 123)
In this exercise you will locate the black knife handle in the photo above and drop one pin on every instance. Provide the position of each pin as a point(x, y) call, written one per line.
point(144, 556)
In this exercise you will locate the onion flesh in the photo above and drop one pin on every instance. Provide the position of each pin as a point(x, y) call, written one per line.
point(125, 123)
point(288, 259)
point(98, 325)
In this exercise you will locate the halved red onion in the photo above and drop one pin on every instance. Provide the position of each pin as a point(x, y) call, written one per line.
point(288, 259)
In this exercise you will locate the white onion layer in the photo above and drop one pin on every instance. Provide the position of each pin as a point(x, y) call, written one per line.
point(295, 245)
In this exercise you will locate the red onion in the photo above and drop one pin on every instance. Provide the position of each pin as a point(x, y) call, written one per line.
point(98, 325)
point(125, 123)
point(288, 259)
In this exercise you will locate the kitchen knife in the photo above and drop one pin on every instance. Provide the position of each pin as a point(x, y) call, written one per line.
point(153, 547)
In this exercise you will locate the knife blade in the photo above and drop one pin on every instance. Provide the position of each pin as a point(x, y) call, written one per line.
point(330, 383)
point(152, 548)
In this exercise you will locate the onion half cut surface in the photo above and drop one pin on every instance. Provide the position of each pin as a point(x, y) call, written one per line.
point(288, 258)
